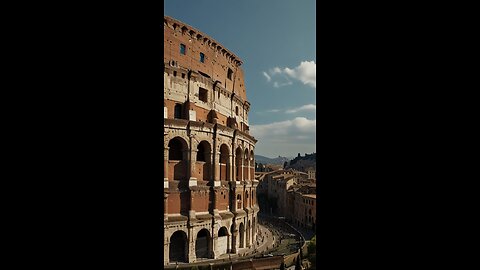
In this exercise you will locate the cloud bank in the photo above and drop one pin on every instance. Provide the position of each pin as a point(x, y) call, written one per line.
point(305, 73)
point(287, 137)
point(308, 107)
point(300, 126)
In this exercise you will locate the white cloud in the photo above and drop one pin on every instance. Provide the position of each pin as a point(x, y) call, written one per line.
point(266, 76)
point(274, 110)
point(300, 126)
point(308, 107)
point(305, 73)
point(275, 70)
point(277, 84)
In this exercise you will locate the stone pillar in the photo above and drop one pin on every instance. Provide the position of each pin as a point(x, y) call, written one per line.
point(241, 169)
point(248, 169)
point(166, 250)
point(216, 174)
point(230, 168)
point(214, 253)
point(191, 257)
point(165, 208)
point(247, 235)
point(229, 245)
point(234, 240)
point(192, 159)
point(165, 167)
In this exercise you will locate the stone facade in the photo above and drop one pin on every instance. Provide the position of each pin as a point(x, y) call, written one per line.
point(304, 201)
point(209, 187)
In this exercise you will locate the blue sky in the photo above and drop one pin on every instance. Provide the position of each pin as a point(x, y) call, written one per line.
point(276, 39)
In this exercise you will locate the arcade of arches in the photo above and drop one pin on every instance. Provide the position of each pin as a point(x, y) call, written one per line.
point(212, 185)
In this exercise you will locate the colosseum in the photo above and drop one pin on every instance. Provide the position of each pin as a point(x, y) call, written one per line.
point(209, 188)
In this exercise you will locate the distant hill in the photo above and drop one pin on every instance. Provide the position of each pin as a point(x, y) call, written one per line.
point(266, 160)
point(303, 162)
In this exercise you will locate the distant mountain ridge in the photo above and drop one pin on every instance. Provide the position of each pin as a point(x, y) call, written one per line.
point(266, 160)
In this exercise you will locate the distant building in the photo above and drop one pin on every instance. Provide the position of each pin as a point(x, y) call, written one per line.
point(311, 171)
point(303, 199)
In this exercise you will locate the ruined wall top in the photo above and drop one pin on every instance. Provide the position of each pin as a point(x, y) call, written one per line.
point(187, 47)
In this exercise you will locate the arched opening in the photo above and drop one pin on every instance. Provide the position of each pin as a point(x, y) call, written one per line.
point(222, 241)
point(177, 158)
point(202, 244)
point(224, 155)
point(246, 165)
point(238, 163)
point(178, 247)
point(178, 111)
point(223, 232)
point(242, 235)
point(246, 199)
point(204, 160)
point(176, 148)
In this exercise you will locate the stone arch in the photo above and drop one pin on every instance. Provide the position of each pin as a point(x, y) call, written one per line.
point(178, 249)
point(246, 159)
point(238, 163)
point(177, 158)
point(177, 147)
point(203, 244)
point(223, 231)
point(222, 241)
point(204, 154)
point(241, 230)
point(224, 162)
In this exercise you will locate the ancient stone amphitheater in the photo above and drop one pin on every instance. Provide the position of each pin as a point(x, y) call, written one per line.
point(209, 187)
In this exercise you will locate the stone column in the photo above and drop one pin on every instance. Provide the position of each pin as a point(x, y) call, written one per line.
point(216, 174)
point(248, 169)
point(230, 168)
point(165, 209)
point(191, 257)
point(228, 243)
point(241, 169)
point(214, 253)
point(166, 250)
point(234, 240)
point(247, 235)
point(165, 167)
point(192, 159)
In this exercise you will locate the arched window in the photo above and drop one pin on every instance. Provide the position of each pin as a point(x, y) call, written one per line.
point(201, 152)
point(175, 149)
point(236, 110)
point(178, 247)
point(178, 111)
